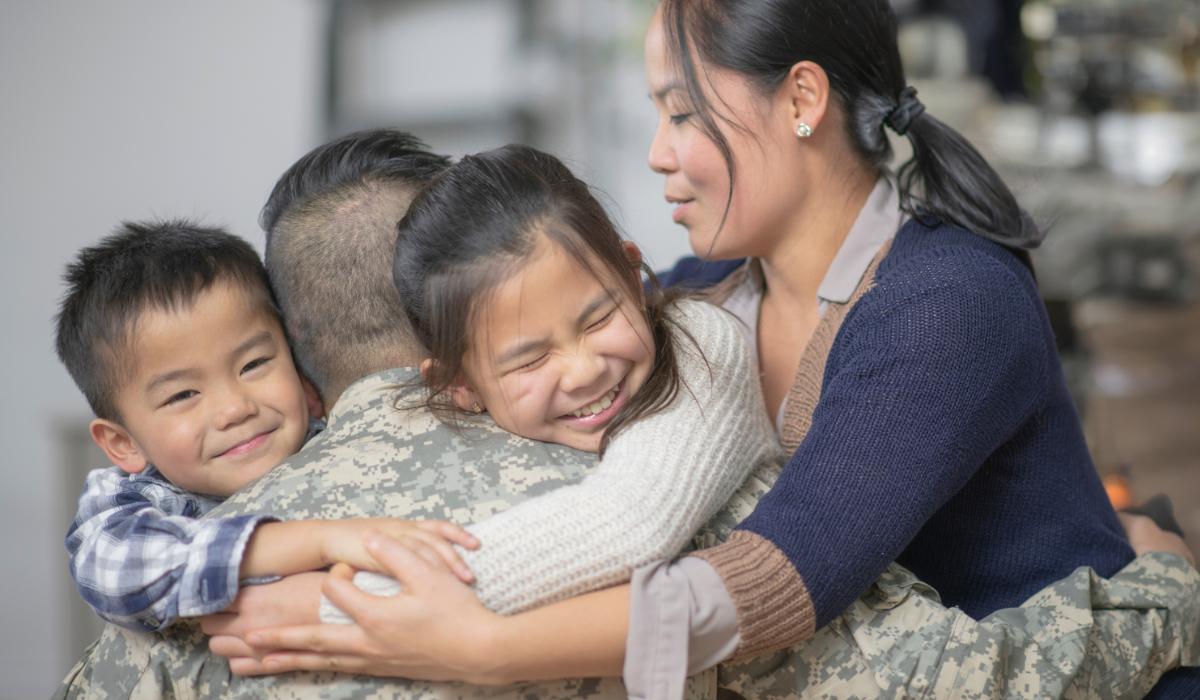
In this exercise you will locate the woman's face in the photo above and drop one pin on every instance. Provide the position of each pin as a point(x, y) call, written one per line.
point(557, 352)
point(763, 202)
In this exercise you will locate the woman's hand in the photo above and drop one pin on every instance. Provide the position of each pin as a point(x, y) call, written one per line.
point(434, 629)
point(292, 600)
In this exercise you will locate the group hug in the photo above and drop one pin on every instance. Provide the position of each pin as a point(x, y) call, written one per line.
point(451, 437)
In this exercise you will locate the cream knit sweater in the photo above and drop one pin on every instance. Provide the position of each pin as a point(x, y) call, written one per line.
point(660, 480)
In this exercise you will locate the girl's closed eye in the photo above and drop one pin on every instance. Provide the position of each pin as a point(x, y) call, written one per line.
point(532, 365)
point(678, 119)
point(603, 320)
point(255, 364)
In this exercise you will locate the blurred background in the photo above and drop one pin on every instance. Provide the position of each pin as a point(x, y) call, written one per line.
point(140, 108)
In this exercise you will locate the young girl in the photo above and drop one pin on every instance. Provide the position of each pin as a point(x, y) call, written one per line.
point(532, 309)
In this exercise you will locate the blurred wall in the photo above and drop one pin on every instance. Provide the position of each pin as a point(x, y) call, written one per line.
point(566, 76)
point(113, 110)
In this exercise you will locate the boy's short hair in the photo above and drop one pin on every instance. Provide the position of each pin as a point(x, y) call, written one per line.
point(141, 266)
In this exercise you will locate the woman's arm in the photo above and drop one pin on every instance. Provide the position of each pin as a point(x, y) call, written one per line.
point(436, 629)
point(904, 640)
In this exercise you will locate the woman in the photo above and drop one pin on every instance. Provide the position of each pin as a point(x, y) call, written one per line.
point(941, 433)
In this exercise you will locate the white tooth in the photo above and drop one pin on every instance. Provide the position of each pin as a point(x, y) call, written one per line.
point(578, 414)
point(596, 408)
point(605, 402)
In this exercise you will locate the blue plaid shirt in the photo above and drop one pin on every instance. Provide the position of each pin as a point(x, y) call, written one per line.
point(142, 558)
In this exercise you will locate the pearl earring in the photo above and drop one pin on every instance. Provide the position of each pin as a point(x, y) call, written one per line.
point(804, 130)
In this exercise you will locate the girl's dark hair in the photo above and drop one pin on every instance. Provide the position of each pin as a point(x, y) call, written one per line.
point(854, 41)
point(475, 224)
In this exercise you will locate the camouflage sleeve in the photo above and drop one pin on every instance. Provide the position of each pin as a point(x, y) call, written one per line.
point(1083, 636)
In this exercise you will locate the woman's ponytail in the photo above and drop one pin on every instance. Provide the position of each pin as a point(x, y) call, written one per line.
point(949, 180)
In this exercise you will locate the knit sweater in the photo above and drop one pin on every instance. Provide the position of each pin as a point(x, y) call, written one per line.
point(944, 438)
point(660, 480)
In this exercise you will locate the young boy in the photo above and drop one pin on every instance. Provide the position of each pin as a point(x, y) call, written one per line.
point(172, 333)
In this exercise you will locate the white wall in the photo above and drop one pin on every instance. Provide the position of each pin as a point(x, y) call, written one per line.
point(111, 110)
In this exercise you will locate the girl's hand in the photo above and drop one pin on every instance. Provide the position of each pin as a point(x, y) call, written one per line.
point(342, 541)
point(434, 629)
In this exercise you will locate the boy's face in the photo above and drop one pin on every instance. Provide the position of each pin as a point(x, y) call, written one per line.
point(214, 401)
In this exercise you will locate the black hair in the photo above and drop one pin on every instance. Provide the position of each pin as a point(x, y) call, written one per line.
point(476, 223)
point(330, 225)
point(142, 266)
point(854, 41)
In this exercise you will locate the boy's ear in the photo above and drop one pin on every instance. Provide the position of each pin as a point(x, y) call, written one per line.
point(316, 407)
point(118, 444)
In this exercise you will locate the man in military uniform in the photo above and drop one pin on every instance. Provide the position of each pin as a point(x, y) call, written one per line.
point(330, 226)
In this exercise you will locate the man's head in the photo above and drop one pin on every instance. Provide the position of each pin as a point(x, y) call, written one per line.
point(331, 236)
point(172, 334)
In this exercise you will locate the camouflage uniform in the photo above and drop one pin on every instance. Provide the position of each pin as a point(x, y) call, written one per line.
point(374, 460)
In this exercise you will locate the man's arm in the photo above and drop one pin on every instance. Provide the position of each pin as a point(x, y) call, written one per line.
point(142, 560)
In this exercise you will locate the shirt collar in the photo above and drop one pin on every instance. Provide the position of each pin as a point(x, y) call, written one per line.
point(878, 221)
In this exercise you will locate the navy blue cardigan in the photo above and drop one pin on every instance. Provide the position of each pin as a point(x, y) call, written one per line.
point(945, 439)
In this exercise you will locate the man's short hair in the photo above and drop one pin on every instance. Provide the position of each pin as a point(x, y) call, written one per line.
point(330, 225)
point(142, 266)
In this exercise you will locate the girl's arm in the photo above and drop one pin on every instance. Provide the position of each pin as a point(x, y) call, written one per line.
point(659, 481)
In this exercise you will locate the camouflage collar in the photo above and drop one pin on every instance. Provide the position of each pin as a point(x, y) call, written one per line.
point(358, 395)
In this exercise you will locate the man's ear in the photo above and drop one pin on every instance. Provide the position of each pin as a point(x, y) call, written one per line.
point(118, 444)
point(316, 407)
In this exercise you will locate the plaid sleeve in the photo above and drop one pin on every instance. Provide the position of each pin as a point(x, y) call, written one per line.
point(140, 557)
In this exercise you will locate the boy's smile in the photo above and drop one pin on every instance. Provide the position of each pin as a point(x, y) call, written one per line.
point(212, 399)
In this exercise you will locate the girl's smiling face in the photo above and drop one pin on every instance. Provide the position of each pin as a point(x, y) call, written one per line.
point(556, 352)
